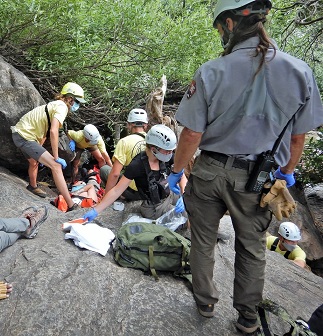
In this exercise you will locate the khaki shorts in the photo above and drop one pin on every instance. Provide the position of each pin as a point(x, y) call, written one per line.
point(30, 149)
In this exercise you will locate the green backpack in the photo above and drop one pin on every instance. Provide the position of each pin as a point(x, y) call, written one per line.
point(297, 328)
point(151, 248)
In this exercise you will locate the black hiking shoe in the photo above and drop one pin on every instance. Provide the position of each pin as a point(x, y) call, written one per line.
point(206, 310)
point(73, 207)
point(37, 191)
point(248, 326)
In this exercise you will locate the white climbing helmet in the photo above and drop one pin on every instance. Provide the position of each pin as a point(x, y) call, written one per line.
point(75, 90)
point(263, 7)
point(289, 231)
point(162, 137)
point(91, 133)
point(137, 115)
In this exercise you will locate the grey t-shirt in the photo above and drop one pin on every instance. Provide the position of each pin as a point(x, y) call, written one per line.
point(242, 114)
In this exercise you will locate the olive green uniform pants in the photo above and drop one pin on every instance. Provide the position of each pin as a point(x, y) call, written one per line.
point(212, 189)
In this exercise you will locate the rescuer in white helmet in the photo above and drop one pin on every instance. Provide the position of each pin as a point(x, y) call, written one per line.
point(89, 138)
point(149, 169)
point(286, 243)
point(126, 149)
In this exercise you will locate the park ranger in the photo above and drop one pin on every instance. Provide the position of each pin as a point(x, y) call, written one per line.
point(234, 110)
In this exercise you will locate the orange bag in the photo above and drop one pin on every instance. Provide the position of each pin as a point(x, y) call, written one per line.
point(60, 203)
point(87, 203)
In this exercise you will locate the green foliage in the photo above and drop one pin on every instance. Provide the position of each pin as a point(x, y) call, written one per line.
point(117, 50)
point(310, 168)
point(298, 29)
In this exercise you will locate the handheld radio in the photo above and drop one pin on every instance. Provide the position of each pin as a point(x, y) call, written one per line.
point(264, 165)
point(260, 173)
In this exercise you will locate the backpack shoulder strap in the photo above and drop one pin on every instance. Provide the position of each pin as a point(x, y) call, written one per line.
point(274, 244)
point(263, 321)
point(145, 162)
point(268, 306)
point(140, 134)
point(162, 168)
point(287, 253)
point(144, 159)
point(48, 119)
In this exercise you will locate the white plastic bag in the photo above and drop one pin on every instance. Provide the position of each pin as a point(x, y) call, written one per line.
point(136, 218)
point(171, 219)
point(92, 237)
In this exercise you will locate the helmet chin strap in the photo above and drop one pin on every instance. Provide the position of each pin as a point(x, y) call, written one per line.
point(228, 32)
point(225, 45)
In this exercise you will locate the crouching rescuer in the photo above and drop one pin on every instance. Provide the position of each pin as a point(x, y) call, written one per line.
point(238, 112)
point(149, 169)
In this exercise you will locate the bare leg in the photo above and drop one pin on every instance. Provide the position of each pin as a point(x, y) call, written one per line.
point(76, 163)
point(98, 157)
point(88, 191)
point(32, 172)
point(48, 160)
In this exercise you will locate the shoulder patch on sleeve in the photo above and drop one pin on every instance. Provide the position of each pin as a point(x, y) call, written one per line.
point(191, 89)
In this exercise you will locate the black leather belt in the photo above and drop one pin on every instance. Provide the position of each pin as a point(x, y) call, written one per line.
point(237, 163)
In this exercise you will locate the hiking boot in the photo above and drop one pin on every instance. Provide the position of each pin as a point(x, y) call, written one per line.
point(37, 191)
point(36, 217)
point(248, 326)
point(206, 310)
point(73, 207)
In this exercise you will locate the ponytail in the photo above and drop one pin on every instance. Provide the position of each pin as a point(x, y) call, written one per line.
point(245, 28)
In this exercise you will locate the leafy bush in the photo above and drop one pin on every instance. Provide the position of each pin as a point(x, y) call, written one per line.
point(117, 50)
point(310, 168)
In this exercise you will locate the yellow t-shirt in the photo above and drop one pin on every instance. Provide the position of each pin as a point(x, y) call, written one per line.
point(296, 254)
point(79, 139)
point(127, 148)
point(33, 126)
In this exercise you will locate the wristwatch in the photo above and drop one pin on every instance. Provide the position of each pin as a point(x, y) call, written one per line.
point(173, 172)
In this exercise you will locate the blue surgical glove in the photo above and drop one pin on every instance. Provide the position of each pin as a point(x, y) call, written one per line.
point(72, 145)
point(173, 179)
point(289, 178)
point(90, 215)
point(62, 162)
point(179, 207)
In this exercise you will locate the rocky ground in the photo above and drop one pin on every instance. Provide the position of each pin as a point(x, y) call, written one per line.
point(61, 289)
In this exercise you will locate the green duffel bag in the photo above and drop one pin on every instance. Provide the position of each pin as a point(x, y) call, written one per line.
point(150, 248)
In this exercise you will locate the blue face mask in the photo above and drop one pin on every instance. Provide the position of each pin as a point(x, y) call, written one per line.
point(75, 106)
